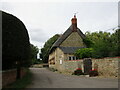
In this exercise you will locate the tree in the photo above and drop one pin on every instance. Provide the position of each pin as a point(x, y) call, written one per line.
point(33, 54)
point(103, 43)
point(47, 46)
point(15, 43)
point(88, 42)
point(84, 53)
point(115, 42)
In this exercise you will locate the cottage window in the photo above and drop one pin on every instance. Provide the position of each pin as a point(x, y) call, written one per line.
point(72, 58)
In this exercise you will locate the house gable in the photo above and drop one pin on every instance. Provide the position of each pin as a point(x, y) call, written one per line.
point(73, 40)
point(72, 37)
point(68, 33)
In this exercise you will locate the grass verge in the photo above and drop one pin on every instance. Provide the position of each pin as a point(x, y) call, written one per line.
point(52, 69)
point(20, 84)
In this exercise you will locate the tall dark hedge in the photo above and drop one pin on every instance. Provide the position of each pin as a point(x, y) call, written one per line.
point(15, 42)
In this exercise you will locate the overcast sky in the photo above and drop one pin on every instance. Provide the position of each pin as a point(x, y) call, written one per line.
point(45, 19)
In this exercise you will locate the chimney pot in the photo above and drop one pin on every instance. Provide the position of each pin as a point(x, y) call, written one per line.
point(74, 23)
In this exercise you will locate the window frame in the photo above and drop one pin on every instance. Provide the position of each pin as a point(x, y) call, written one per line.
point(72, 58)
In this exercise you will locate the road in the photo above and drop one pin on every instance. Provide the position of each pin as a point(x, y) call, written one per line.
point(43, 78)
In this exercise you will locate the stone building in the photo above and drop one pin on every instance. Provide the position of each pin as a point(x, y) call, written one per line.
point(63, 49)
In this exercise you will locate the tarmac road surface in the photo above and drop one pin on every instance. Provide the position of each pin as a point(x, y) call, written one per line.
point(43, 78)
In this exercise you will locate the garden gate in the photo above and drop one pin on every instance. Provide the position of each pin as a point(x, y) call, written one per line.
point(87, 64)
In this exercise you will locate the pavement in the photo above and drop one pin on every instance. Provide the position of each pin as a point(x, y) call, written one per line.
point(43, 78)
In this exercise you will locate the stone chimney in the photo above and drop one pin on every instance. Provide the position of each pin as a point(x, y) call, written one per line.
point(74, 23)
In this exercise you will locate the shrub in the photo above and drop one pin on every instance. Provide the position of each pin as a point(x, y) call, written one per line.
point(78, 71)
point(93, 72)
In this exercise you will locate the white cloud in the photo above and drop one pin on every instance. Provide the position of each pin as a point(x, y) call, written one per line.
point(43, 20)
point(38, 35)
point(60, 0)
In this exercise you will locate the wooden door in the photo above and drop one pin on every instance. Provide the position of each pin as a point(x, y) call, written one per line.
point(87, 63)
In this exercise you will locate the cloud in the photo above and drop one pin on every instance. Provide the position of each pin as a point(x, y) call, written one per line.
point(60, 0)
point(38, 44)
point(43, 20)
point(37, 35)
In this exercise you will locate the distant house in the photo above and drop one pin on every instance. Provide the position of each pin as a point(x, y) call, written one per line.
point(64, 48)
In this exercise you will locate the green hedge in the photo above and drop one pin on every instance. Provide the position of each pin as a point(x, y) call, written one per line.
point(15, 42)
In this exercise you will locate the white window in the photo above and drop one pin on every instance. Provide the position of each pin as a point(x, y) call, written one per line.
point(72, 58)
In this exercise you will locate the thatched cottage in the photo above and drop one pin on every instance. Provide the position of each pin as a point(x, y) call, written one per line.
point(63, 49)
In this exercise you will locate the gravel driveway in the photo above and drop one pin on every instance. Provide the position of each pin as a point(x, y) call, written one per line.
point(43, 78)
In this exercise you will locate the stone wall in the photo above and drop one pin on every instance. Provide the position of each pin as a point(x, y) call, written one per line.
point(72, 65)
point(9, 76)
point(51, 60)
point(105, 66)
point(59, 60)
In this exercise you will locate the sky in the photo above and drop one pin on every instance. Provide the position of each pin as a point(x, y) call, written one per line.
point(43, 19)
